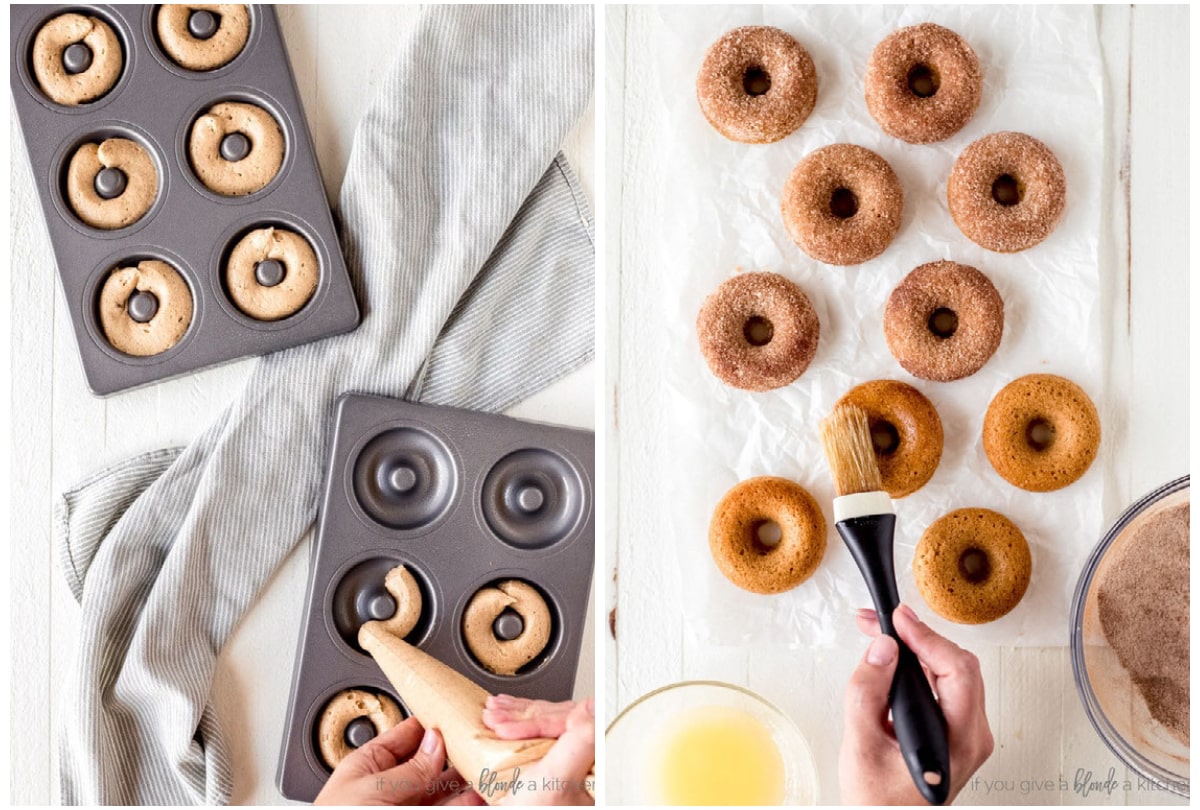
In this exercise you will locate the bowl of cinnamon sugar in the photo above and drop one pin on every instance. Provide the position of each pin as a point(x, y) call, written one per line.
point(1130, 642)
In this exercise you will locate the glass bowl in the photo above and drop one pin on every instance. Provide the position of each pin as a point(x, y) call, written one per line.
point(635, 740)
point(1110, 699)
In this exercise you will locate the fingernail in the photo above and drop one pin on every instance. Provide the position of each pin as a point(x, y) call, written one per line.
point(501, 700)
point(882, 651)
point(591, 706)
point(865, 613)
point(429, 742)
point(907, 611)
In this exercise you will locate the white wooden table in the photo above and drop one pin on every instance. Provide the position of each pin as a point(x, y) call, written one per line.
point(61, 433)
point(1041, 732)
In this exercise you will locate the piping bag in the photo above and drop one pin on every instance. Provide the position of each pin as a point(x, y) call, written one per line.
point(445, 699)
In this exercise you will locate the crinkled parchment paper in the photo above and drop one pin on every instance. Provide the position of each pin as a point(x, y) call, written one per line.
point(1042, 76)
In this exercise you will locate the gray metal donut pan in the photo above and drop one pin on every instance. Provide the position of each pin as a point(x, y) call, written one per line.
point(446, 486)
point(155, 102)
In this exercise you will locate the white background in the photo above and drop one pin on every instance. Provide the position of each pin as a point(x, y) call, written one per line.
point(1036, 716)
point(61, 433)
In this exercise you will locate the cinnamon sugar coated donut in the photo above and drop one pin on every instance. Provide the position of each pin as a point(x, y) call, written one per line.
point(758, 331)
point(737, 535)
point(1007, 192)
point(905, 430)
point(1041, 432)
point(842, 204)
point(943, 321)
point(972, 566)
point(757, 84)
point(923, 83)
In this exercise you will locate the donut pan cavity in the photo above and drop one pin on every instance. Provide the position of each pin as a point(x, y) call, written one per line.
point(464, 500)
point(154, 102)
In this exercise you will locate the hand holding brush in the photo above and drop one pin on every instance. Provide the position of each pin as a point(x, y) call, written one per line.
point(865, 519)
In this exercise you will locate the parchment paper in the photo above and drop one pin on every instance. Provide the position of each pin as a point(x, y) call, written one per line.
point(1042, 76)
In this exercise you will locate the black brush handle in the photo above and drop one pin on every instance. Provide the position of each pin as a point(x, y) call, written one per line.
point(918, 720)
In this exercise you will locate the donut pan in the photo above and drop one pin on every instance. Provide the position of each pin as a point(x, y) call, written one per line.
point(464, 500)
point(154, 103)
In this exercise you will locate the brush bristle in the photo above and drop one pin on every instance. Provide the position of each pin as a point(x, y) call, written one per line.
point(846, 434)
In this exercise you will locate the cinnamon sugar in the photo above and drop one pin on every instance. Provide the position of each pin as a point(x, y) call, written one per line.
point(1143, 598)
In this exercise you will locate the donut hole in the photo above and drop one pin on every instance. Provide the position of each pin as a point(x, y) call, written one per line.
point(1007, 190)
point(1039, 434)
point(756, 81)
point(758, 331)
point(843, 203)
point(766, 535)
point(975, 565)
point(943, 322)
point(884, 437)
point(923, 81)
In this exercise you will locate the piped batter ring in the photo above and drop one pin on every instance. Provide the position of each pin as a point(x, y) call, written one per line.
point(383, 589)
point(499, 644)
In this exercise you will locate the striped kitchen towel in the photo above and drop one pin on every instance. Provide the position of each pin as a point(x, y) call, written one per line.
point(468, 237)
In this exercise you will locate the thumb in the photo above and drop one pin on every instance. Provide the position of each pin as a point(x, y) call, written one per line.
point(424, 767)
point(867, 698)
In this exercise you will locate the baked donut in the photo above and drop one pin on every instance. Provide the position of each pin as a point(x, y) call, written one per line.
point(972, 566)
point(145, 310)
point(905, 429)
point(758, 331)
point(943, 321)
point(406, 592)
point(343, 709)
point(236, 148)
point(501, 642)
point(757, 84)
point(203, 36)
point(1006, 192)
point(842, 204)
point(271, 273)
point(923, 83)
point(76, 58)
point(740, 535)
point(1041, 432)
point(112, 184)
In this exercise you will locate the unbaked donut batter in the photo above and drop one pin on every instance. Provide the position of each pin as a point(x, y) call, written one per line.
point(76, 58)
point(112, 184)
point(506, 656)
point(404, 590)
point(152, 288)
point(203, 36)
point(344, 708)
point(248, 160)
point(271, 273)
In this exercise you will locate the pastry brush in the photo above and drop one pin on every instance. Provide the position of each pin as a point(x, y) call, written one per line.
point(865, 519)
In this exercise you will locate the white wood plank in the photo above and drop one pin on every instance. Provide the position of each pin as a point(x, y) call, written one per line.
point(649, 630)
point(614, 131)
point(34, 293)
point(1159, 245)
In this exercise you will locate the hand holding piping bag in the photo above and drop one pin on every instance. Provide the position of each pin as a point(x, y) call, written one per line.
point(443, 699)
point(866, 521)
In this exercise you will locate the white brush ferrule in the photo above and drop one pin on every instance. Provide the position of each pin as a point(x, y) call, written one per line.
point(861, 504)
